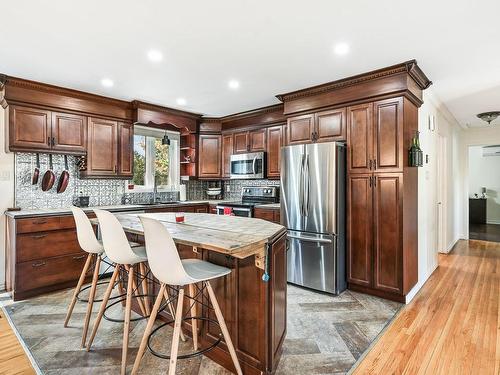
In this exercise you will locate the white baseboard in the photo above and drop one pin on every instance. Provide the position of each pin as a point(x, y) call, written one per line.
point(452, 244)
point(419, 286)
point(493, 222)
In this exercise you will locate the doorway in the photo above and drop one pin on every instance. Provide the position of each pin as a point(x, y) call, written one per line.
point(484, 193)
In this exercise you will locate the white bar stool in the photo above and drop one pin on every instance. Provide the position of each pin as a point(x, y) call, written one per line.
point(118, 250)
point(89, 243)
point(168, 268)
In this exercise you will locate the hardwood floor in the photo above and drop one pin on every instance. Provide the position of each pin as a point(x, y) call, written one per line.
point(13, 359)
point(452, 326)
point(484, 232)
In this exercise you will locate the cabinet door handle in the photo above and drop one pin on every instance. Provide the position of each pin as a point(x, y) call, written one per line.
point(38, 264)
point(370, 181)
point(79, 257)
point(116, 168)
point(53, 141)
point(370, 164)
point(37, 237)
point(48, 141)
point(374, 181)
point(374, 164)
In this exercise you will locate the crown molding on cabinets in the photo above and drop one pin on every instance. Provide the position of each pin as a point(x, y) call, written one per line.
point(405, 79)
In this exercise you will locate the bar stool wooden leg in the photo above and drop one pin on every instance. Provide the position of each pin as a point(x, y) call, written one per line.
point(77, 289)
point(194, 324)
point(149, 327)
point(104, 303)
point(177, 331)
point(126, 325)
point(172, 312)
point(145, 288)
point(90, 303)
point(120, 285)
point(223, 327)
point(136, 292)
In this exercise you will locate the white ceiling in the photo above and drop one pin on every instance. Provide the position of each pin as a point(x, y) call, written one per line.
point(270, 47)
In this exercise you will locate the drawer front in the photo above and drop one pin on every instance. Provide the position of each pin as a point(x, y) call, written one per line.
point(277, 217)
point(42, 224)
point(266, 214)
point(50, 271)
point(31, 246)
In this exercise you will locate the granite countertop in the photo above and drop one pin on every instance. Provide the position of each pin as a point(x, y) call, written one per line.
point(240, 237)
point(116, 208)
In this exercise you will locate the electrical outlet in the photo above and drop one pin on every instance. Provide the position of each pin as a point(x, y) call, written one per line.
point(4, 175)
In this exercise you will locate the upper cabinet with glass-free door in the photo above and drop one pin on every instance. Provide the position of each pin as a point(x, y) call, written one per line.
point(40, 130)
point(375, 136)
point(323, 126)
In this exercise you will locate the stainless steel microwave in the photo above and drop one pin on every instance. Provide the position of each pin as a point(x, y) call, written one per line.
point(245, 166)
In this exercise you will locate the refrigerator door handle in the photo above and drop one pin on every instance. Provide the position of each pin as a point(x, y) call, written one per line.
point(310, 239)
point(306, 185)
point(301, 187)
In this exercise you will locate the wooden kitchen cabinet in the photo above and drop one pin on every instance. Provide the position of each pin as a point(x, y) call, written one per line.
point(249, 141)
point(69, 132)
point(125, 149)
point(274, 143)
point(300, 129)
point(359, 138)
point(324, 126)
point(240, 142)
point(375, 137)
point(269, 214)
point(330, 125)
point(102, 148)
point(29, 129)
point(38, 130)
point(227, 151)
point(388, 148)
point(210, 165)
point(359, 229)
point(388, 235)
point(42, 255)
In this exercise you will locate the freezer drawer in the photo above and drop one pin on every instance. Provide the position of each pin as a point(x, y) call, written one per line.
point(312, 261)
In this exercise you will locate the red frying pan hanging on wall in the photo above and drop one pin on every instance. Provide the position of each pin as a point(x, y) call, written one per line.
point(49, 177)
point(64, 177)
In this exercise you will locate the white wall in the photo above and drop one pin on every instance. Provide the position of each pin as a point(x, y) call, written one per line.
point(485, 172)
point(472, 137)
point(428, 183)
point(6, 191)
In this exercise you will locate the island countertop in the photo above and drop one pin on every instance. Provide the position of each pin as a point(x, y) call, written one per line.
point(240, 237)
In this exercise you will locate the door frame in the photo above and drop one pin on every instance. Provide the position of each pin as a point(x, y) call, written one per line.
point(442, 193)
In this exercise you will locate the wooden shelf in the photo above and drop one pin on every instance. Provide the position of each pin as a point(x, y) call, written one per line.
point(187, 148)
point(187, 162)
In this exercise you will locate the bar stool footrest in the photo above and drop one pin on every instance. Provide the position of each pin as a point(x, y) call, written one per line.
point(124, 298)
point(189, 355)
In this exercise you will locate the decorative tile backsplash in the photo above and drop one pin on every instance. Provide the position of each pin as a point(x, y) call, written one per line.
point(104, 192)
point(196, 189)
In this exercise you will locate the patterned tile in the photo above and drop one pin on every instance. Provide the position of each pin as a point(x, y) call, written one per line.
point(326, 339)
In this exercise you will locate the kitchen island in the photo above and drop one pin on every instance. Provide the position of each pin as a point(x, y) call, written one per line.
point(254, 310)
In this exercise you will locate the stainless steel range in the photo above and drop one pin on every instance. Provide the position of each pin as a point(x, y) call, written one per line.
point(251, 196)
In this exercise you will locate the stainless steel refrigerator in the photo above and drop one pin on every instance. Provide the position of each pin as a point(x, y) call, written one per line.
point(313, 210)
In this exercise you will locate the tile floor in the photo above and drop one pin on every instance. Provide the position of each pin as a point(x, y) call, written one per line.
point(326, 335)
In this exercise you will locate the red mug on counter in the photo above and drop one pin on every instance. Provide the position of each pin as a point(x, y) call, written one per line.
point(179, 217)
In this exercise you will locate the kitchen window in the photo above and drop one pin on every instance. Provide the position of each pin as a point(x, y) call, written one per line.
point(154, 160)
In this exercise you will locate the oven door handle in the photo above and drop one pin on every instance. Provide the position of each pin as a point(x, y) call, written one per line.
point(234, 208)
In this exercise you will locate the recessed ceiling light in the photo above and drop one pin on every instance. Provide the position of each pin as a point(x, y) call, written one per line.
point(233, 84)
point(181, 101)
point(155, 55)
point(341, 49)
point(106, 82)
